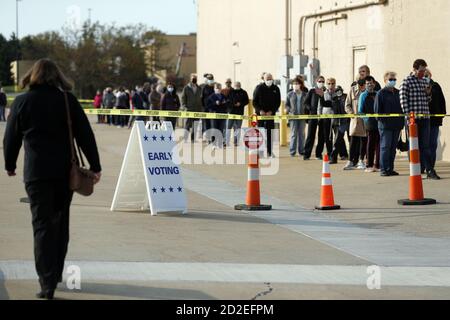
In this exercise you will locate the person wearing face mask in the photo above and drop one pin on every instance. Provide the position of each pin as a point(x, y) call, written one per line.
point(138, 104)
point(326, 107)
point(217, 104)
point(170, 101)
point(207, 91)
point(191, 100)
point(109, 101)
point(267, 100)
point(414, 98)
point(437, 105)
point(295, 105)
point(239, 99)
point(312, 106)
point(339, 126)
point(366, 106)
point(358, 139)
point(387, 101)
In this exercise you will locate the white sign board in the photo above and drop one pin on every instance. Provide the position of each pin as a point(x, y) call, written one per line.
point(150, 177)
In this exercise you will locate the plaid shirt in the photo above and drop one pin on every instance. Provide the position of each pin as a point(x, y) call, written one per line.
point(413, 96)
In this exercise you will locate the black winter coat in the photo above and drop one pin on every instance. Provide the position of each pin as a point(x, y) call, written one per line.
point(39, 118)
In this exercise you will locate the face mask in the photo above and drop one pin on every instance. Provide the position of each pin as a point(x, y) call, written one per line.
point(339, 93)
point(237, 88)
point(369, 88)
point(320, 85)
point(170, 89)
point(428, 80)
point(391, 84)
point(269, 83)
point(210, 82)
point(194, 81)
point(296, 87)
point(217, 91)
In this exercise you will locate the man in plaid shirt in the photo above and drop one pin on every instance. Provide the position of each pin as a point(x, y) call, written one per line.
point(414, 98)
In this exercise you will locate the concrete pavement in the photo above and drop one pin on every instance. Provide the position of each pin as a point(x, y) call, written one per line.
point(332, 244)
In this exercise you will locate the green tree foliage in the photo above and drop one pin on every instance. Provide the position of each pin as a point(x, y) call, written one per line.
point(9, 51)
point(95, 56)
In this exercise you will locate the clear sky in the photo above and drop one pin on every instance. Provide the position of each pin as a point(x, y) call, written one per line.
point(35, 16)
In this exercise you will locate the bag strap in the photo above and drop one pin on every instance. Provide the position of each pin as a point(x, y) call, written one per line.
point(69, 123)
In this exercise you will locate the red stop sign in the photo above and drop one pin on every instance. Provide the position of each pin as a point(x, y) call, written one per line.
point(253, 138)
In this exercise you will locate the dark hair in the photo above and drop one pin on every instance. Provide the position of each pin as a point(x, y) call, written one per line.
point(361, 82)
point(369, 78)
point(299, 79)
point(45, 71)
point(419, 63)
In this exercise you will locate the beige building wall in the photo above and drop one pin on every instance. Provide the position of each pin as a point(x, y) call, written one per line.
point(170, 54)
point(241, 39)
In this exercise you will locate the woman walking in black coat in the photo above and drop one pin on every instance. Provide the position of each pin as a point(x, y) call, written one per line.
point(39, 119)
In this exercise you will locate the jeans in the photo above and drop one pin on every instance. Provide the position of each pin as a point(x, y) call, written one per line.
point(434, 140)
point(388, 148)
point(297, 136)
point(423, 127)
point(2, 113)
point(236, 126)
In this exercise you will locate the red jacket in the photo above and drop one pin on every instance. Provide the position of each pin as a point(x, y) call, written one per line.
point(98, 101)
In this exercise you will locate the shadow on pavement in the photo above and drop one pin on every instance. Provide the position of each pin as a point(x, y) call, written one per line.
point(137, 292)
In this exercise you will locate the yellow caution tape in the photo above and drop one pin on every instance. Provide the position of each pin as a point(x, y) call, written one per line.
point(225, 116)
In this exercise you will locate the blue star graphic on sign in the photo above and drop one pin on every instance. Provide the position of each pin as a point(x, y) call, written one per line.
point(163, 190)
point(170, 138)
point(180, 189)
point(154, 190)
point(171, 189)
point(145, 138)
point(155, 138)
point(162, 138)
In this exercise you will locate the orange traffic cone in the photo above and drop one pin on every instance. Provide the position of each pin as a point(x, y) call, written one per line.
point(416, 196)
point(253, 198)
point(326, 195)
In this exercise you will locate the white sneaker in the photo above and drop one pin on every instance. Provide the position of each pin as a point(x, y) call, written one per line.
point(361, 165)
point(370, 170)
point(349, 166)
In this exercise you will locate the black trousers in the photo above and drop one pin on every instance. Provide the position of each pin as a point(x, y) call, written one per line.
point(358, 149)
point(313, 124)
point(269, 125)
point(339, 147)
point(190, 126)
point(50, 203)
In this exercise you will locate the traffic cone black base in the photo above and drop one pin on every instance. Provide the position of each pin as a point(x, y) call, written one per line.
point(245, 207)
point(328, 208)
point(423, 202)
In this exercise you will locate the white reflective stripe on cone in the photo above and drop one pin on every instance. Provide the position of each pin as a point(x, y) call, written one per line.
point(413, 143)
point(326, 182)
point(414, 169)
point(326, 167)
point(253, 174)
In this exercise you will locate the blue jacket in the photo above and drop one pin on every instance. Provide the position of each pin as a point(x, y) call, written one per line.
point(366, 106)
point(212, 106)
point(387, 101)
